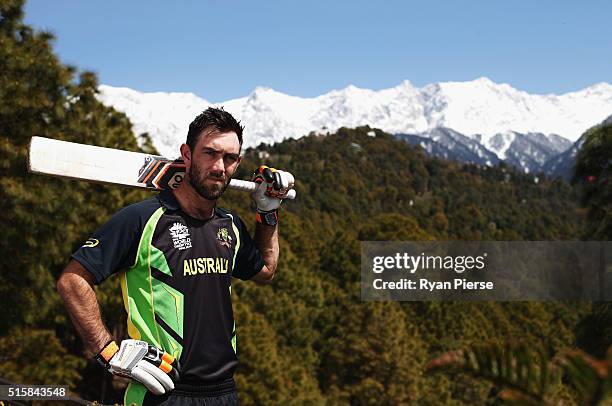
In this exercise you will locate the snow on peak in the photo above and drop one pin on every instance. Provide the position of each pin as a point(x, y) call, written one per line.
point(500, 143)
point(406, 84)
point(262, 91)
point(480, 109)
point(602, 87)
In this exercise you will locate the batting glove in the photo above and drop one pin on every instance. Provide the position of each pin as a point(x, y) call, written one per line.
point(149, 365)
point(273, 186)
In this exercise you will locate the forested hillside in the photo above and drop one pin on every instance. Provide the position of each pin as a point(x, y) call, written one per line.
point(353, 187)
point(308, 338)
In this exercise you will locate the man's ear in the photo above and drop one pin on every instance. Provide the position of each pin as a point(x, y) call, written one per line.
point(186, 155)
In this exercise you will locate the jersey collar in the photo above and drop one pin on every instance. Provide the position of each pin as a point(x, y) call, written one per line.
point(166, 197)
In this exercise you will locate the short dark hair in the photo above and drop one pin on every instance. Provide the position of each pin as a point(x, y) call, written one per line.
point(215, 119)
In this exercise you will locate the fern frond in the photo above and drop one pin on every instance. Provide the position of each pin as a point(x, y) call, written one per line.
point(591, 377)
point(523, 371)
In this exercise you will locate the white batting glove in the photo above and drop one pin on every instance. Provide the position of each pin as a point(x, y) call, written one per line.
point(149, 365)
point(273, 187)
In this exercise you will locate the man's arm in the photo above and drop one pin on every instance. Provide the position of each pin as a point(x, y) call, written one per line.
point(273, 186)
point(155, 369)
point(75, 286)
point(266, 239)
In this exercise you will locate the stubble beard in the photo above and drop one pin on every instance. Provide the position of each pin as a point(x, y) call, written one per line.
point(197, 179)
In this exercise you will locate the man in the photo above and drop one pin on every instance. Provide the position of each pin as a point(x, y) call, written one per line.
point(175, 255)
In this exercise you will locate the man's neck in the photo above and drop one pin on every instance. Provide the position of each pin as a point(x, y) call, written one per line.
point(192, 203)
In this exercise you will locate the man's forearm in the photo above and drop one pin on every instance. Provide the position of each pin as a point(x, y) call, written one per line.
point(80, 300)
point(266, 239)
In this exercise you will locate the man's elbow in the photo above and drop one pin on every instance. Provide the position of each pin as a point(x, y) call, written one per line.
point(63, 283)
point(269, 278)
point(73, 276)
point(265, 276)
point(66, 285)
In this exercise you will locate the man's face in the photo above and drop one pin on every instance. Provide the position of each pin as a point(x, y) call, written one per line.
point(213, 162)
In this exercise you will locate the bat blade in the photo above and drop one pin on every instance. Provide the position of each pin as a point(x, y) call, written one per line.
point(111, 166)
point(87, 162)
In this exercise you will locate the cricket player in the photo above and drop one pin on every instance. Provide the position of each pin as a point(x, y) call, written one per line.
point(175, 255)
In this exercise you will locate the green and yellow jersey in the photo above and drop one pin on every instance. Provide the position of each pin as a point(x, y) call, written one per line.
point(176, 275)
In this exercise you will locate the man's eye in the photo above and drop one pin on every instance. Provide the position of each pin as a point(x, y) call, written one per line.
point(211, 153)
point(230, 159)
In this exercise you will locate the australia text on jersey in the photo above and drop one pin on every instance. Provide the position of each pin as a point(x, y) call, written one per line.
point(196, 266)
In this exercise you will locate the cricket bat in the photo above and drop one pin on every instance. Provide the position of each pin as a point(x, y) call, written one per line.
point(112, 166)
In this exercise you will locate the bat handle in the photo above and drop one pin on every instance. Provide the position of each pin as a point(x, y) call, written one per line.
point(248, 186)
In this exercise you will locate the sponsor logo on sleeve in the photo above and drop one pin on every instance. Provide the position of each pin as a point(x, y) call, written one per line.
point(91, 242)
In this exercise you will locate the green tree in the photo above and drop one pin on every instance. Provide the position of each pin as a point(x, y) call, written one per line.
point(376, 357)
point(593, 171)
point(44, 219)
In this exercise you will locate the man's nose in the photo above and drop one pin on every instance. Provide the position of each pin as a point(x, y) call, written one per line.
point(218, 165)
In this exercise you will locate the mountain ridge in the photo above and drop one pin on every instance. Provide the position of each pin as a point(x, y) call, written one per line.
point(492, 114)
point(475, 107)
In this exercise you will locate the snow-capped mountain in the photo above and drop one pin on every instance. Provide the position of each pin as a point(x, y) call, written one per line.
point(165, 116)
point(528, 152)
point(449, 144)
point(485, 117)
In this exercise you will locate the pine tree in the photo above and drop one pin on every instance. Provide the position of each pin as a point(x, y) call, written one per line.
point(45, 219)
point(593, 172)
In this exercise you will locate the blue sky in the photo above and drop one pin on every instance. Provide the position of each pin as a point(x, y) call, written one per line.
point(223, 49)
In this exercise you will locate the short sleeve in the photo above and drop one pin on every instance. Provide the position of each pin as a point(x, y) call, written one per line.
point(249, 260)
point(113, 246)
